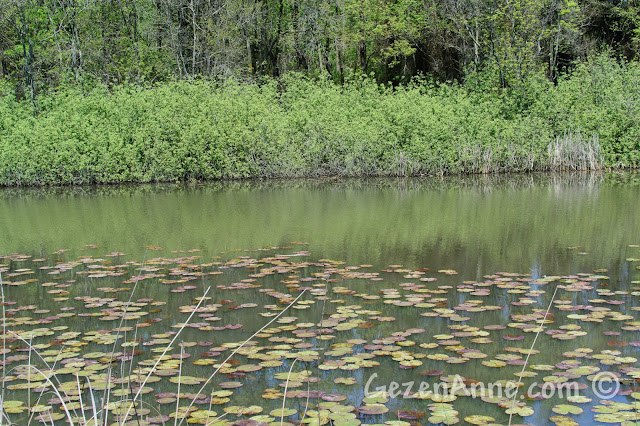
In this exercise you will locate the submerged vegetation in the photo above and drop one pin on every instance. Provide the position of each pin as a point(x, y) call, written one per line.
point(296, 126)
point(272, 335)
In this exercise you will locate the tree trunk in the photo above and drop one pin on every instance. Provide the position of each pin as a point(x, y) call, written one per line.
point(28, 56)
point(195, 38)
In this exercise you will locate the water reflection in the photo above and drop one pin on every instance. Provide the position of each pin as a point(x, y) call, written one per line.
point(479, 223)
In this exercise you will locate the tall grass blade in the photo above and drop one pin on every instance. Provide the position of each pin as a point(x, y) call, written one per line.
point(175, 421)
point(526, 361)
point(155, 365)
point(240, 347)
point(286, 387)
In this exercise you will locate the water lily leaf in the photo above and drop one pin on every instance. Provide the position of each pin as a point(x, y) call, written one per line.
point(579, 399)
point(346, 422)
point(410, 415)
point(39, 408)
point(567, 409)
point(262, 419)
point(444, 419)
point(378, 398)
point(494, 363)
point(279, 412)
point(523, 411)
point(345, 380)
point(608, 418)
point(14, 407)
point(341, 416)
point(372, 409)
point(563, 421)
point(479, 420)
point(49, 417)
point(246, 411)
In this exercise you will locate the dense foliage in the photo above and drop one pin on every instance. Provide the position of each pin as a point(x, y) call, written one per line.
point(138, 90)
point(44, 43)
point(297, 126)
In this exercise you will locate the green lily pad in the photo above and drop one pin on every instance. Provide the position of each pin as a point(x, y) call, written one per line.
point(279, 412)
point(372, 409)
point(567, 409)
point(479, 420)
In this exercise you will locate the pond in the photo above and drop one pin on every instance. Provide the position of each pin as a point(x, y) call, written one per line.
point(446, 283)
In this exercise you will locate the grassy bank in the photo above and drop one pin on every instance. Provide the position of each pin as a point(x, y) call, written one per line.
point(300, 127)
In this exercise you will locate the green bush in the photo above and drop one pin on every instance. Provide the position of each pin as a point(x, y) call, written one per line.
point(297, 126)
point(600, 98)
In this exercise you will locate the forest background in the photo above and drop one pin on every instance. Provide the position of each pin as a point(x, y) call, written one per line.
point(102, 91)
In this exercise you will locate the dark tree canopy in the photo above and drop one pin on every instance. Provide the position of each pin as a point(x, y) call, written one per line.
point(45, 43)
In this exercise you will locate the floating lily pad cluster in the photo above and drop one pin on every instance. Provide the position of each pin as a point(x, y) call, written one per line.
point(141, 342)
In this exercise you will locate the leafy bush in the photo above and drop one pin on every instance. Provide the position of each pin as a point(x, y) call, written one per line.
point(297, 126)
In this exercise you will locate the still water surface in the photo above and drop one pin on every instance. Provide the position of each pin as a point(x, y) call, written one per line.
point(532, 225)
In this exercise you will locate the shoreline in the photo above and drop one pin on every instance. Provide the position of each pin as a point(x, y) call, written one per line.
point(524, 177)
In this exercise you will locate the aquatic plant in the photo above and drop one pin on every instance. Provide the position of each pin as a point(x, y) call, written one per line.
point(413, 322)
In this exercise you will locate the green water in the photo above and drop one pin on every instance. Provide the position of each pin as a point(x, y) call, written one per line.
point(529, 224)
point(475, 224)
